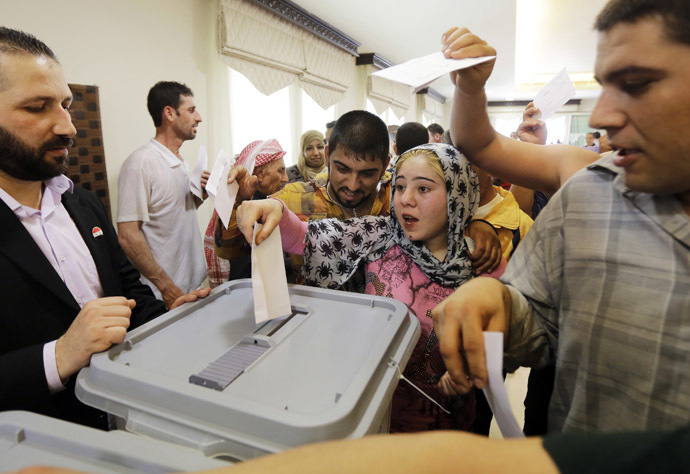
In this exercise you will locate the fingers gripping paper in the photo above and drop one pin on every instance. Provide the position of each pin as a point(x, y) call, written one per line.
point(269, 284)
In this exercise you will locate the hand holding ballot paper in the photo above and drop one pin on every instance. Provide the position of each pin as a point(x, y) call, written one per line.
point(420, 72)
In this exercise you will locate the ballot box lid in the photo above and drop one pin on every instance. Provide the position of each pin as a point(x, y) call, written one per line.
point(28, 439)
point(205, 375)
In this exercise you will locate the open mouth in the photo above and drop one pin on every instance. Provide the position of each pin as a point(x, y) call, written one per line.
point(349, 195)
point(409, 219)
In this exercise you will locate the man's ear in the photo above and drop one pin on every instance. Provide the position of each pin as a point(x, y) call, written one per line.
point(326, 153)
point(169, 113)
point(385, 166)
point(395, 150)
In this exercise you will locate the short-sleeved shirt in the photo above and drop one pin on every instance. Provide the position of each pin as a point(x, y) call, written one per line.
point(602, 281)
point(153, 188)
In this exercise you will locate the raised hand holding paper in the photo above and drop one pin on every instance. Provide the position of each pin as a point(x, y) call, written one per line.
point(556, 93)
point(420, 72)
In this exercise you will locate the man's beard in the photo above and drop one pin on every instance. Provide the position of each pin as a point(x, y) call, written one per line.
point(20, 161)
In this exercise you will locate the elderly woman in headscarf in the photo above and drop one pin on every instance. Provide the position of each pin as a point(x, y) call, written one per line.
point(311, 160)
point(418, 255)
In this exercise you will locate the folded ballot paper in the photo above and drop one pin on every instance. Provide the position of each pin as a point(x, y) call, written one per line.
point(420, 72)
point(269, 283)
point(195, 178)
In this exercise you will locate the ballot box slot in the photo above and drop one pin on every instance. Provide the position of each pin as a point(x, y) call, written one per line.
point(224, 370)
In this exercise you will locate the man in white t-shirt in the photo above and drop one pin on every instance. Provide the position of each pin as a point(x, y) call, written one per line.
point(156, 215)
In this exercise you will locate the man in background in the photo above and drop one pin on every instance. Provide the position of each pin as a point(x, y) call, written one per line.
point(410, 135)
point(156, 212)
point(435, 133)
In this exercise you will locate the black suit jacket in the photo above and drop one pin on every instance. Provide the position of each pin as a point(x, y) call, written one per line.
point(36, 306)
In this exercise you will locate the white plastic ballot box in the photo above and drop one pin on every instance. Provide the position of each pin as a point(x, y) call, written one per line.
point(206, 376)
point(28, 439)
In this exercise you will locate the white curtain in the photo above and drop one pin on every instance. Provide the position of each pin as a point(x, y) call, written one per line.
point(384, 94)
point(273, 53)
point(433, 109)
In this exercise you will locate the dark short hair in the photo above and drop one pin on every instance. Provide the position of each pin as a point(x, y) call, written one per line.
point(330, 124)
point(410, 135)
point(674, 13)
point(435, 128)
point(18, 42)
point(360, 134)
point(165, 94)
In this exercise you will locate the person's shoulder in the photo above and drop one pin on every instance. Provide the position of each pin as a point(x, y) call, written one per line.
point(298, 187)
point(293, 174)
point(602, 170)
point(84, 198)
point(139, 156)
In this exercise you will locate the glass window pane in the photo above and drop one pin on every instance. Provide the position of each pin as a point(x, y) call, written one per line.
point(313, 116)
point(506, 123)
point(254, 116)
point(555, 127)
point(579, 127)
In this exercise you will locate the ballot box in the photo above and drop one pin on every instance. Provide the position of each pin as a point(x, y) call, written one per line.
point(28, 439)
point(206, 376)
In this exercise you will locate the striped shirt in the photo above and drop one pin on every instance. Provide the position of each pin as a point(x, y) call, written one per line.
point(602, 281)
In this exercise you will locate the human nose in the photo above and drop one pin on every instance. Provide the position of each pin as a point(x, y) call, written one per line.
point(407, 197)
point(607, 113)
point(63, 124)
point(284, 177)
point(351, 182)
point(198, 117)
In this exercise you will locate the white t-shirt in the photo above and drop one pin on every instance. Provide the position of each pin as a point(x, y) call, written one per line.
point(153, 187)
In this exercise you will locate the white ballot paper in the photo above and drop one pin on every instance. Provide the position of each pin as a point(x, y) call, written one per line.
point(225, 196)
point(216, 172)
point(195, 179)
point(554, 94)
point(420, 72)
point(495, 392)
point(269, 283)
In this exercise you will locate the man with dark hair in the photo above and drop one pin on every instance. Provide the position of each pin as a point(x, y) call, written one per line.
point(435, 133)
point(166, 94)
point(68, 290)
point(156, 214)
point(410, 135)
point(601, 281)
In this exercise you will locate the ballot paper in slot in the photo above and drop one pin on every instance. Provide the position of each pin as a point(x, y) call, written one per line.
point(322, 371)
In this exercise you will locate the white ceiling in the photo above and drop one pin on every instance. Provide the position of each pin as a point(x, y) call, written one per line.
point(558, 33)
